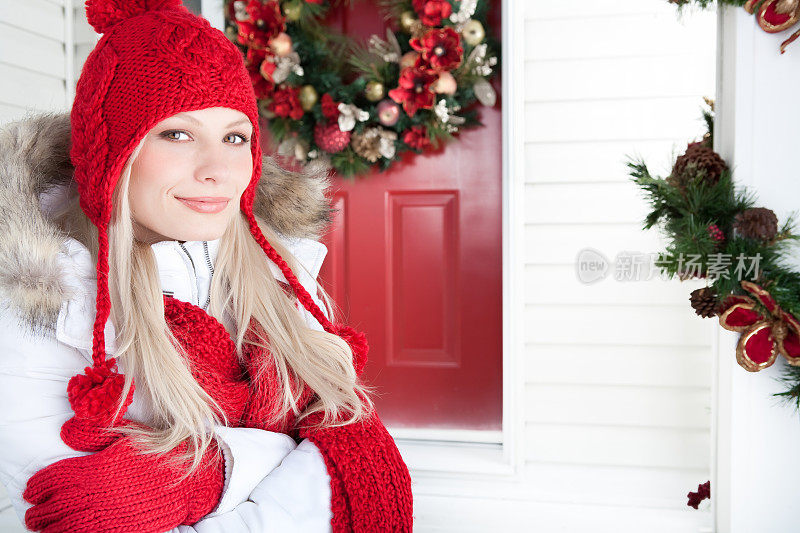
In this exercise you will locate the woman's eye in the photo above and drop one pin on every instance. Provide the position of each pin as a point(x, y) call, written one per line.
point(174, 135)
point(240, 135)
point(168, 134)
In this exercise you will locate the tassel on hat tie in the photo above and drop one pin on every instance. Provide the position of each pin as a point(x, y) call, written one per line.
point(358, 344)
point(95, 394)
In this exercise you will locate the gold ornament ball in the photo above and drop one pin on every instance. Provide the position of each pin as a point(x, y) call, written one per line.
point(308, 97)
point(407, 20)
point(292, 11)
point(445, 84)
point(408, 59)
point(374, 91)
point(473, 32)
point(281, 44)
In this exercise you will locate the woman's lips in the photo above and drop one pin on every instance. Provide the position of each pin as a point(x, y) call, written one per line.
point(206, 204)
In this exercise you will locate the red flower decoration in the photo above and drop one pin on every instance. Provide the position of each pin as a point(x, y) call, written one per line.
point(441, 49)
point(330, 108)
point(260, 70)
point(417, 137)
point(266, 21)
point(431, 12)
point(255, 56)
point(266, 70)
point(775, 16)
point(703, 493)
point(230, 12)
point(286, 103)
point(414, 89)
point(772, 18)
point(763, 337)
point(263, 87)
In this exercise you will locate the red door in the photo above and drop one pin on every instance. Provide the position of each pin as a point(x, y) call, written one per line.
point(415, 261)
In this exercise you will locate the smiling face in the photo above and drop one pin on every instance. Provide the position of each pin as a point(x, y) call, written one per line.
point(190, 174)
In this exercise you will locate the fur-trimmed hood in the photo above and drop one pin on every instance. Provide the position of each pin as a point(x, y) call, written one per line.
point(35, 169)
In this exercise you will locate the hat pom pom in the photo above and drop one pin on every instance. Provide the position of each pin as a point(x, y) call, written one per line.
point(102, 14)
point(95, 394)
point(358, 343)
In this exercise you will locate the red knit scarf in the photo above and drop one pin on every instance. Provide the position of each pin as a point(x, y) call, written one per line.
point(370, 483)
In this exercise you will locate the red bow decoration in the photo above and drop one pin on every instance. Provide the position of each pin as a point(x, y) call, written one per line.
point(775, 16)
point(763, 336)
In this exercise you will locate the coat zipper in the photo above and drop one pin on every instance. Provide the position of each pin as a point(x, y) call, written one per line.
point(194, 269)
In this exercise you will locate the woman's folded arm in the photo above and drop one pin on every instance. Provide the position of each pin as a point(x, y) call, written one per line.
point(295, 496)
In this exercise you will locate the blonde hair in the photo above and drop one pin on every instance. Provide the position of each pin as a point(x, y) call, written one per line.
point(155, 360)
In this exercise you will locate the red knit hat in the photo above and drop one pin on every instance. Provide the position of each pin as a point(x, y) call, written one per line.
point(155, 59)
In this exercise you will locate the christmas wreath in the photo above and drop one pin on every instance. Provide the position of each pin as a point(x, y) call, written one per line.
point(772, 15)
point(714, 231)
point(362, 105)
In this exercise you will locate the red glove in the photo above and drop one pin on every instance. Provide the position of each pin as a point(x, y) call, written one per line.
point(119, 488)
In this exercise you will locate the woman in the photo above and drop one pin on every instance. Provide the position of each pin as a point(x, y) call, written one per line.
point(148, 242)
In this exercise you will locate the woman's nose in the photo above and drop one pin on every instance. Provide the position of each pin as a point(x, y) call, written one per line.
point(213, 163)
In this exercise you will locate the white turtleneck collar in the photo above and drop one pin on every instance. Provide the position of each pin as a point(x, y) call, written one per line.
point(185, 269)
point(76, 319)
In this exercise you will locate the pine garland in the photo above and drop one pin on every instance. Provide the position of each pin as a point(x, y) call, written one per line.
point(699, 218)
point(773, 16)
point(704, 4)
point(455, 52)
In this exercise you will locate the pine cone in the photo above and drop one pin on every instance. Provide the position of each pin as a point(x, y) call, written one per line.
point(367, 145)
point(698, 159)
point(374, 142)
point(704, 302)
point(757, 223)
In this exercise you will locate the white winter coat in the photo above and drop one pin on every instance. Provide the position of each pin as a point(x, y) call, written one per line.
point(271, 484)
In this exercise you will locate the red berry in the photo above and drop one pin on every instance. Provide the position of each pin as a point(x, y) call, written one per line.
point(715, 233)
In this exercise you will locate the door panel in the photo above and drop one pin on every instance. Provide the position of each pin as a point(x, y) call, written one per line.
point(415, 261)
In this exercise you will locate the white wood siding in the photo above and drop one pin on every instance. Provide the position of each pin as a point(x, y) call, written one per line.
point(617, 374)
point(613, 397)
point(41, 54)
point(84, 39)
point(32, 57)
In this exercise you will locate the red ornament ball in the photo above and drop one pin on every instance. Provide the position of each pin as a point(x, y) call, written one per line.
point(330, 138)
